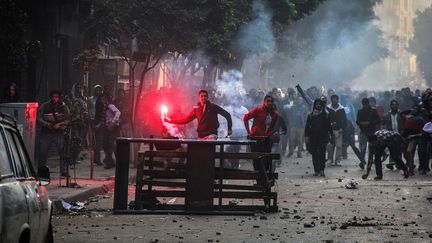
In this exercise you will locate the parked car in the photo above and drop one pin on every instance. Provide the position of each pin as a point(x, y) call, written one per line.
point(25, 208)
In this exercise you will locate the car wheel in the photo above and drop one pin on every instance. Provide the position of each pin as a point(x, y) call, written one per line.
point(50, 235)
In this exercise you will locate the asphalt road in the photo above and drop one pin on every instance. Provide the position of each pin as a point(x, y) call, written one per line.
point(312, 209)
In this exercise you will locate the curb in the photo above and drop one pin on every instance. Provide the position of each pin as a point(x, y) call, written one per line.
point(81, 195)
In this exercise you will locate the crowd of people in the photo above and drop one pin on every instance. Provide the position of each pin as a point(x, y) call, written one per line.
point(73, 121)
point(327, 129)
point(322, 122)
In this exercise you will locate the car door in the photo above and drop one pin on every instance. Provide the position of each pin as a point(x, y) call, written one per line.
point(13, 204)
point(41, 202)
point(27, 182)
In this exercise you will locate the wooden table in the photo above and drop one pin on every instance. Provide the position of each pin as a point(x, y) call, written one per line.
point(200, 169)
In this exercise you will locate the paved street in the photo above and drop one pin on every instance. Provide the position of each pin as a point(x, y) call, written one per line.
point(312, 209)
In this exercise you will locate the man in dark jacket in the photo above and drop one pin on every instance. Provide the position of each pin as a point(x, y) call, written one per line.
point(338, 122)
point(368, 122)
point(207, 115)
point(318, 133)
point(53, 116)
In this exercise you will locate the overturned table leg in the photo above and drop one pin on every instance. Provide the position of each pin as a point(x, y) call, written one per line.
point(200, 177)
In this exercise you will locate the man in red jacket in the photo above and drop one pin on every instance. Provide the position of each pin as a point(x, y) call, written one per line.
point(207, 115)
point(264, 120)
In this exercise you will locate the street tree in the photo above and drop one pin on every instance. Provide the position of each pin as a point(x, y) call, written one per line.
point(142, 32)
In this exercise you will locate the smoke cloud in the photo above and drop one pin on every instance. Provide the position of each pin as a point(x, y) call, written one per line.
point(230, 93)
point(256, 38)
point(331, 47)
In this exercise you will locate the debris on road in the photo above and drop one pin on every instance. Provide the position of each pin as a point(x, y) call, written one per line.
point(351, 185)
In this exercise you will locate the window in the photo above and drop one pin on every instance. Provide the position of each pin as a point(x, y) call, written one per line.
point(23, 155)
point(5, 163)
point(15, 154)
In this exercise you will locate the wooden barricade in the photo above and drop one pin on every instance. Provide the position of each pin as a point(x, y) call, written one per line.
point(163, 174)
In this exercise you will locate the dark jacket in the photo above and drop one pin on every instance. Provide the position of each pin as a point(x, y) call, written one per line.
point(207, 120)
point(337, 117)
point(49, 115)
point(370, 115)
point(387, 122)
point(318, 128)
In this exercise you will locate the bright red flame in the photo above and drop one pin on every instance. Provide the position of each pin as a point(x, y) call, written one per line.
point(164, 110)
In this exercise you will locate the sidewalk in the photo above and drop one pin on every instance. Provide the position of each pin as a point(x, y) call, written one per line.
point(101, 183)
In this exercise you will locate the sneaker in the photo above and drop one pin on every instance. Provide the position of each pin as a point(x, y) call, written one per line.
point(299, 156)
point(422, 172)
point(362, 165)
point(99, 163)
point(378, 178)
point(289, 155)
point(406, 173)
point(322, 173)
point(315, 173)
point(390, 166)
point(337, 163)
point(329, 162)
point(109, 166)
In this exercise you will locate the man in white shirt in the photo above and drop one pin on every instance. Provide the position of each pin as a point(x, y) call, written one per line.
point(393, 121)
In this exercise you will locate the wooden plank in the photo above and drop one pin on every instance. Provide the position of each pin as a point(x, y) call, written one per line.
point(178, 154)
point(168, 193)
point(239, 187)
point(165, 183)
point(238, 195)
point(246, 195)
point(251, 175)
point(247, 155)
point(244, 212)
point(165, 154)
point(227, 175)
point(165, 164)
point(166, 174)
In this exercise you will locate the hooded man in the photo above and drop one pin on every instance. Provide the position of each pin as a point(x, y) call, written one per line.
point(78, 108)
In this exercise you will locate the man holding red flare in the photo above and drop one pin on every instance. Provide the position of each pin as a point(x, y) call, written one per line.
point(207, 115)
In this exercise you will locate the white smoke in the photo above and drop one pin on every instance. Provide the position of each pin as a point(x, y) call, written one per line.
point(256, 38)
point(230, 92)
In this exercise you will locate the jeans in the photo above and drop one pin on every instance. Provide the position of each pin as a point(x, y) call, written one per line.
point(296, 139)
point(396, 155)
point(363, 145)
point(283, 143)
point(57, 139)
point(107, 140)
point(77, 131)
point(338, 146)
point(262, 145)
point(410, 152)
point(318, 151)
point(423, 153)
